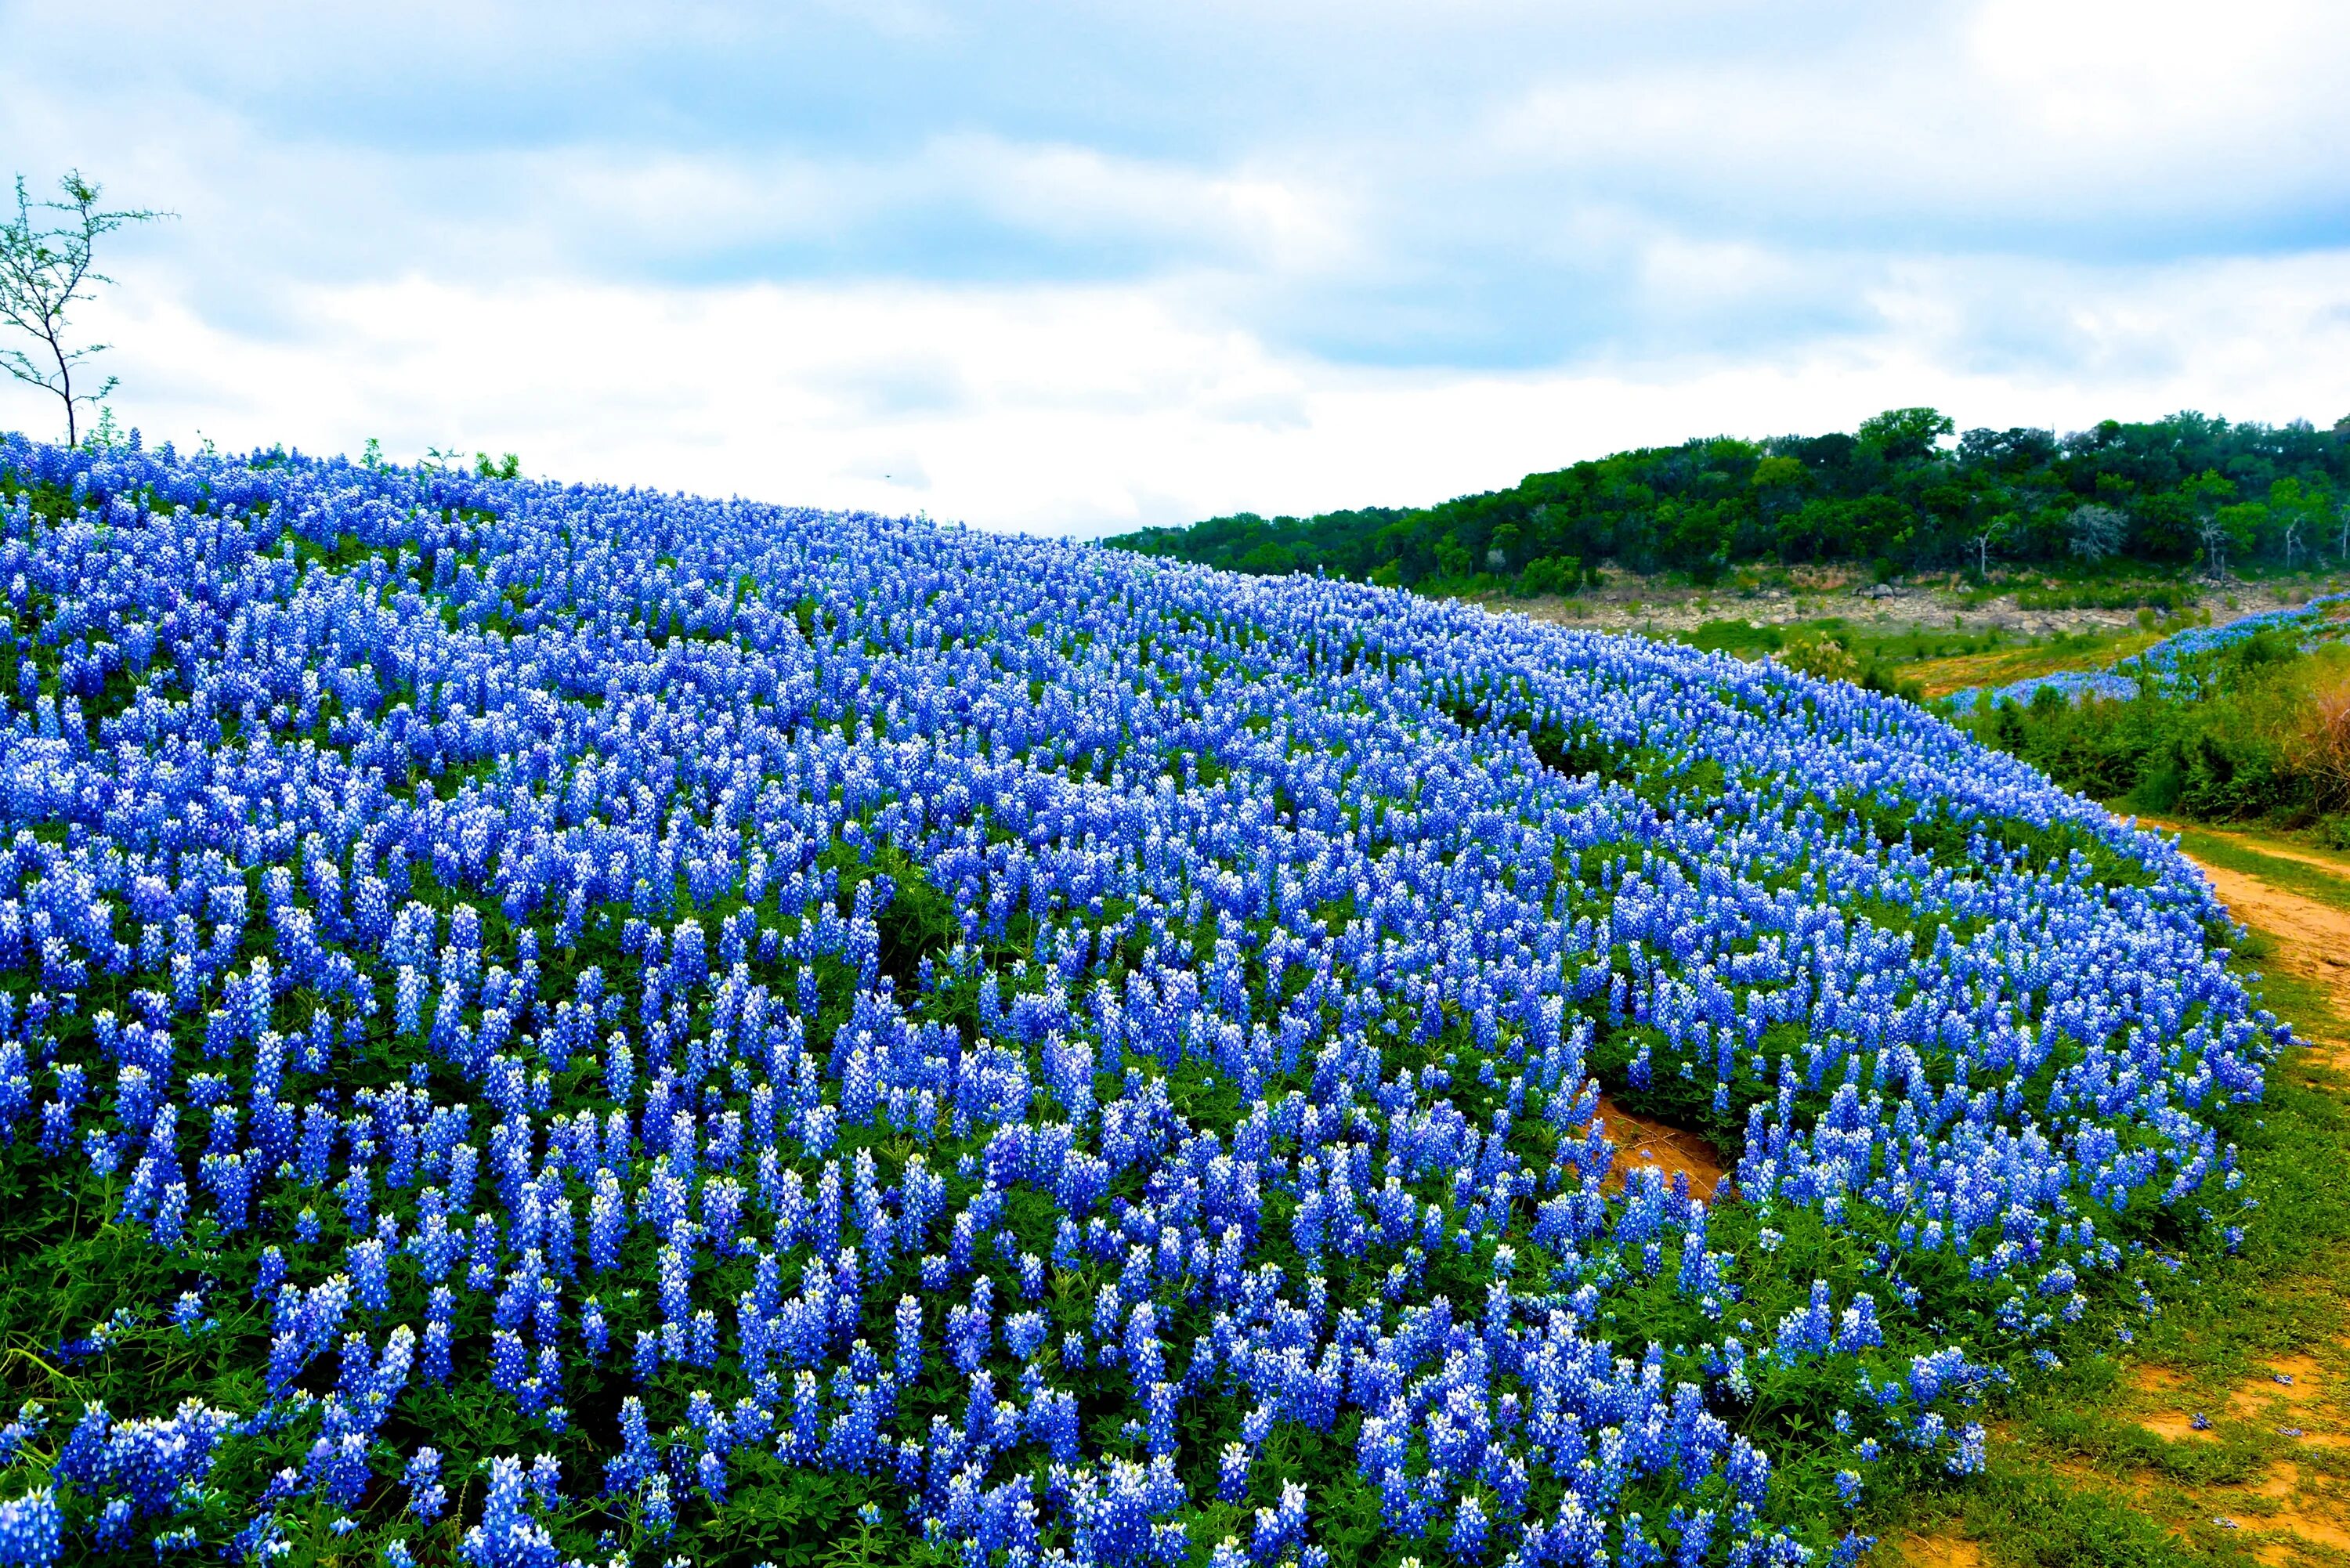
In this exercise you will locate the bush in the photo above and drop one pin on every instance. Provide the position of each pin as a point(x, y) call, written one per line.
point(2323, 748)
point(2259, 732)
point(1550, 575)
point(1824, 657)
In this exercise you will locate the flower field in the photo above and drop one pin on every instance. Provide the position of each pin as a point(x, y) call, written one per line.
point(2310, 625)
point(595, 1024)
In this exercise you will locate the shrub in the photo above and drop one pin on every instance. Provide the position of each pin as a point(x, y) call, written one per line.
point(1551, 575)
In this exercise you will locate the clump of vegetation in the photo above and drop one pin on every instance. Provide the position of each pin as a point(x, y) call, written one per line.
point(541, 1022)
point(1833, 650)
point(2256, 732)
point(1903, 492)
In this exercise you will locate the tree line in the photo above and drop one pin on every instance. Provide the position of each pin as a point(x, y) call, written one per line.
point(1903, 492)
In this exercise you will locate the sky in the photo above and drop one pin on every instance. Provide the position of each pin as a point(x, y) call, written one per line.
point(1081, 268)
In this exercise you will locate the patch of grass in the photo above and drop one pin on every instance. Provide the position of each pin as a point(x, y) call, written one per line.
point(1941, 677)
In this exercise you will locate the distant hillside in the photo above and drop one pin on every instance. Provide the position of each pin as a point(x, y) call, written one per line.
point(1899, 492)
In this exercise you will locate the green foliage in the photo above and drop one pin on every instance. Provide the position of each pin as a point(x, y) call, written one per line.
point(2229, 743)
point(1551, 575)
point(1894, 493)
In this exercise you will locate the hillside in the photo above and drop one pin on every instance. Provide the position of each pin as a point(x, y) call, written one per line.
point(551, 1023)
point(1896, 495)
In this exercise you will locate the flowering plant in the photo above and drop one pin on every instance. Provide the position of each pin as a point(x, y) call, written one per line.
point(630, 1016)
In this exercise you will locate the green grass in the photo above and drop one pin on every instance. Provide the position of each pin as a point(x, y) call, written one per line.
point(2070, 650)
point(1883, 644)
point(1938, 660)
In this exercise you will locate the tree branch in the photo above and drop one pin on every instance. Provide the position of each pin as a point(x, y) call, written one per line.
point(46, 271)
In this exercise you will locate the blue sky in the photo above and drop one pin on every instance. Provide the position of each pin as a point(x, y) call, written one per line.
point(1077, 267)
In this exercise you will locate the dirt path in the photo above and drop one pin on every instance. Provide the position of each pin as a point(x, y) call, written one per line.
point(2295, 1509)
point(2312, 941)
point(2313, 938)
point(2334, 865)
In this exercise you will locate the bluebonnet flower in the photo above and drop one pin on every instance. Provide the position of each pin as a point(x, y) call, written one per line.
point(1468, 1539)
point(1271, 916)
point(427, 1497)
point(31, 1530)
point(1232, 1474)
point(507, 1537)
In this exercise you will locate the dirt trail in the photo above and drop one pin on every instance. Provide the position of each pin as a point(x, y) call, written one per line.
point(2333, 864)
point(2294, 1508)
point(2313, 938)
point(2312, 942)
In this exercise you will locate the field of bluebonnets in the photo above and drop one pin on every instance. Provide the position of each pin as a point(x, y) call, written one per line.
point(547, 1024)
point(2183, 660)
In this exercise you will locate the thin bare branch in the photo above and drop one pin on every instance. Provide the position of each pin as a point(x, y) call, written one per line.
point(46, 269)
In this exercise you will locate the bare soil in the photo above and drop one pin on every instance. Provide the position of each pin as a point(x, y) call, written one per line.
point(2313, 940)
point(1630, 603)
point(1644, 1141)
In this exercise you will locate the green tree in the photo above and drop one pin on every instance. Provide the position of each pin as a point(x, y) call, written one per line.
point(1904, 435)
point(2164, 526)
point(1551, 575)
point(1898, 496)
point(1503, 548)
point(2237, 530)
point(1452, 557)
point(2299, 510)
point(45, 271)
point(1778, 482)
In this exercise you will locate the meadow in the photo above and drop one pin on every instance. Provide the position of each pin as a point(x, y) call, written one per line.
point(544, 1023)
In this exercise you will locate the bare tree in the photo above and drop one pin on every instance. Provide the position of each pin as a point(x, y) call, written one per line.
point(1982, 540)
point(2094, 532)
point(2342, 540)
point(2213, 535)
point(44, 273)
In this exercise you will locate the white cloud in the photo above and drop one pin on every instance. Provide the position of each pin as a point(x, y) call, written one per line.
point(1097, 410)
point(2135, 72)
point(1075, 266)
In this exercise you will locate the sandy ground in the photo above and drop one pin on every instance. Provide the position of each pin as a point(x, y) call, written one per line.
point(1643, 1140)
point(1629, 603)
